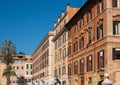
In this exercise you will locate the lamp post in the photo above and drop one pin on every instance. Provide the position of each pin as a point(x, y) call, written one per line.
point(106, 80)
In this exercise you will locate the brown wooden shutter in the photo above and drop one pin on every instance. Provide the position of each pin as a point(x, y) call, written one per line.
point(77, 67)
point(114, 23)
point(103, 59)
point(74, 68)
point(87, 64)
point(102, 4)
point(101, 27)
point(113, 52)
point(98, 34)
point(88, 16)
point(91, 13)
point(98, 59)
point(91, 63)
point(98, 8)
point(80, 43)
point(80, 66)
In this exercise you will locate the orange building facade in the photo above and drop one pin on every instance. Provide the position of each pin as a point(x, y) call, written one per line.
point(60, 46)
point(22, 65)
point(94, 43)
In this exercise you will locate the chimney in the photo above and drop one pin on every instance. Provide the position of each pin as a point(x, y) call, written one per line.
point(55, 23)
point(58, 19)
point(68, 5)
point(63, 12)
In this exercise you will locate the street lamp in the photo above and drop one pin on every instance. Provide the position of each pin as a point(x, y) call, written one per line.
point(106, 80)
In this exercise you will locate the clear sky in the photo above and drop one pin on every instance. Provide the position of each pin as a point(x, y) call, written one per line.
point(26, 22)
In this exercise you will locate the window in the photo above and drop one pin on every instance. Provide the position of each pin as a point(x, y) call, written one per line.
point(76, 67)
point(116, 3)
point(82, 42)
point(90, 81)
point(81, 22)
point(101, 59)
point(26, 72)
point(69, 69)
point(55, 72)
point(100, 32)
point(82, 80)
point(89, 36)
point(55, 57)
point(22, 67)
point(30, 66)
point(55, 45)
point(89, 63)
point(89, 15)
point(60, 54)
point(17, 67)
point(100, 6)
point(59, 42)
point(31, 72)
point(81, 66)
point(64, 21)
point(64, 37)
point(75, 28)
point(116, 27)
point(59, 71)
point(76, 46)
point(63, 70)
point(69, 33)
point(116, 53)
point(64, 52)
point(69, 50)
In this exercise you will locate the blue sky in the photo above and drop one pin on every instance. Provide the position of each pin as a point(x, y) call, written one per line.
point(26, 22)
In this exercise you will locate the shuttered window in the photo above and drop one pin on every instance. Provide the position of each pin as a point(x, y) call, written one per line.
point(76, 67)
point(116, 27)
point(101, 59)
point(116, 53)
point(89, 63)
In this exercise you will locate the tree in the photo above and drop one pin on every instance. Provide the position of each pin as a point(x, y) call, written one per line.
point(8, 49)
point(8, 72)
point(21, 53)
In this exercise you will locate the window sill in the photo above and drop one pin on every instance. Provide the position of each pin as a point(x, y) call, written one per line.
point(116, 60)
point(100, 70)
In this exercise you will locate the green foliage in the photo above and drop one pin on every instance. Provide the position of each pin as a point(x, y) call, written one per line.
point(8, 48)
point(9, 71)
point(21, 53)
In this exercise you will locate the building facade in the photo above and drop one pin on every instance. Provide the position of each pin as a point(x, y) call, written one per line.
point(19, 66)
point(28, 70)
point(43, 62)
point(94, 43)
point(60, 46)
